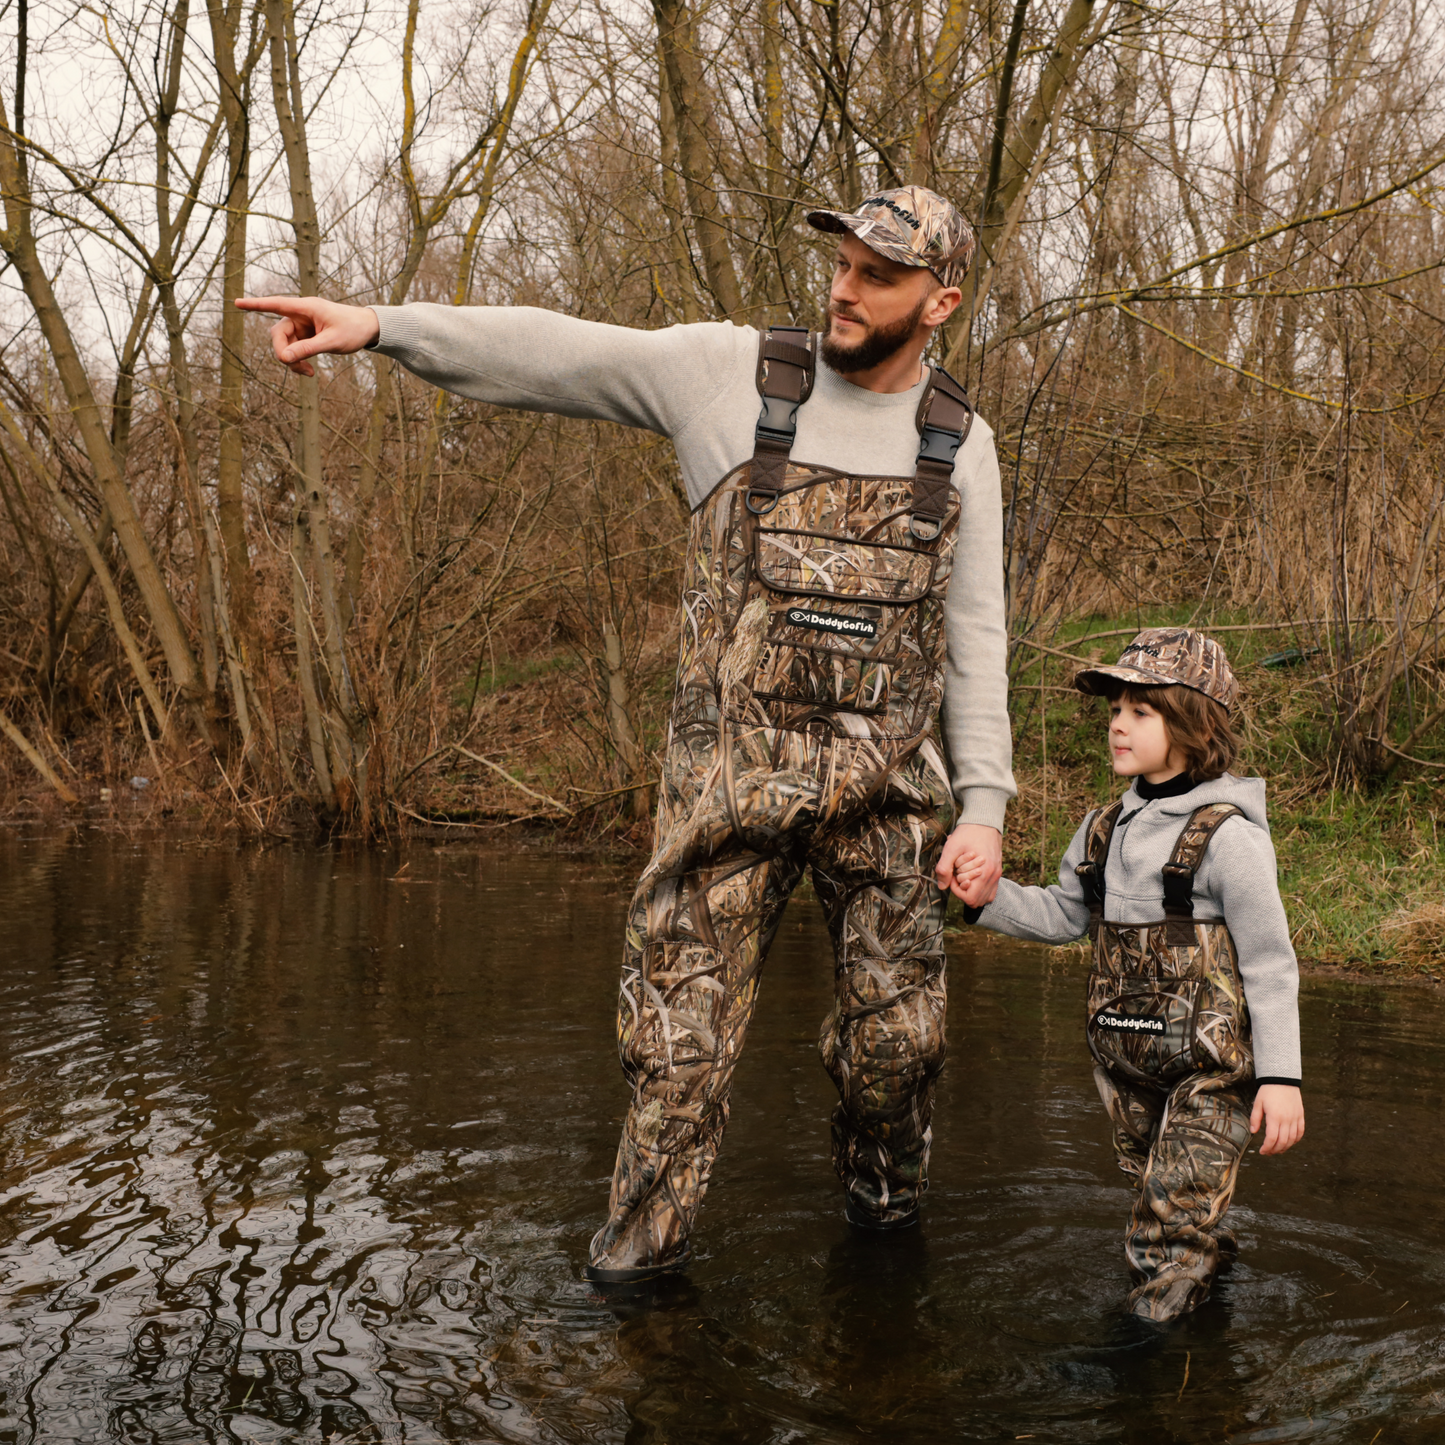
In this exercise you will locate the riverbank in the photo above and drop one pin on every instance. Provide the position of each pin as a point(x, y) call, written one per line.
point(1361, 871)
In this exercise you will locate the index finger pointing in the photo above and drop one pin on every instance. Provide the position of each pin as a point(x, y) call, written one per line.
point(275, 305)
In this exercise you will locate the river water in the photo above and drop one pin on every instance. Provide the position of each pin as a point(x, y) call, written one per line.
point(302, 1145)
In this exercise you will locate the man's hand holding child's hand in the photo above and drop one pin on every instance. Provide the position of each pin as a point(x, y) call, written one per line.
point(971, 863)
point(1281, 1110)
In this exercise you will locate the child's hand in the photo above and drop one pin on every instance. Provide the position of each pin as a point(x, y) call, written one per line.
point(1281, 1109)
point(971, 863)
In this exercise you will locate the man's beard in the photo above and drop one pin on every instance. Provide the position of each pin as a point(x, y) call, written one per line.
point(877, 345)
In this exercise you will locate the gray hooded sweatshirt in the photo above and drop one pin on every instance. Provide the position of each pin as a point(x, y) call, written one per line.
point(696, 385)
point(1236, 882)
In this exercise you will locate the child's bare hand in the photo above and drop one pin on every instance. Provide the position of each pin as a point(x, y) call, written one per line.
point(1281, 1110)
point(971, 863)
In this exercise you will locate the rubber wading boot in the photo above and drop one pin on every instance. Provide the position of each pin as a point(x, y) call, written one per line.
point(860, 1220)
point(639, 1273)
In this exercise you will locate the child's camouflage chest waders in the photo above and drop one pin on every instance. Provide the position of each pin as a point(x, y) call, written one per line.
point(1169, 1031)
point(1165, 998)
point(810, 673)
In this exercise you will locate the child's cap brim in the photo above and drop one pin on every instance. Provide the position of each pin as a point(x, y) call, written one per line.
point(1092, 679)
point(1095, 681)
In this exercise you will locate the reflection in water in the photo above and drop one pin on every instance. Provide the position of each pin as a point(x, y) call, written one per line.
point(296, 1148)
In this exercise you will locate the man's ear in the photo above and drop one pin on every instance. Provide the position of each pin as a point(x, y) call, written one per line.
point(942, 303)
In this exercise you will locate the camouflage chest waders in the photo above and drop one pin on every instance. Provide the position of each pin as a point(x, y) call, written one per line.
point(810, 674)
point(1169, 1032)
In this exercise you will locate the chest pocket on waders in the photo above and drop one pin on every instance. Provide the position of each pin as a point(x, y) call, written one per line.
point(843, 612)
point(1165, 999)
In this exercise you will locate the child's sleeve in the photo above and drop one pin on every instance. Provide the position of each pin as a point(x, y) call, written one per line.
point(1242, 876)
point(1056, 914)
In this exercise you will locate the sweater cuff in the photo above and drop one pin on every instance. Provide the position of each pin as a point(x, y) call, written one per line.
point(1275, 1079)
point(397, 329)
point(982, 805)
point(972, 915)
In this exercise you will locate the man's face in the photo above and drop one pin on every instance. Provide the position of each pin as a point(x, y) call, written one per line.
point(875, 307)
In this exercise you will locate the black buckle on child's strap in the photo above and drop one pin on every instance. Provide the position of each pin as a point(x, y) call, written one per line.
point(1178, 891)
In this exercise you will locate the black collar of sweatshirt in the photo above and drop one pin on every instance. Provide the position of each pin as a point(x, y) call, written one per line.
point(1174, 787)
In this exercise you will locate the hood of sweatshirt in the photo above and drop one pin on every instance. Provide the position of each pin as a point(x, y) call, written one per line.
point(1147, 831)
point(1247, 794)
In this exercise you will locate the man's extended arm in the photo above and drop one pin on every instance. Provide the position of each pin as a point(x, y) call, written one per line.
point(525, 357)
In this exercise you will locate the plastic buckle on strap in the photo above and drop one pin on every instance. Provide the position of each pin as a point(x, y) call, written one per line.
point(778, 421)
point(938, 445)
point(1179, 888)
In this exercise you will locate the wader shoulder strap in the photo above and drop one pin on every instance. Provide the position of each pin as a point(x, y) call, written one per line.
point(1096, 853)
point(945, 416)
point(786, 364)
point(1188, 854)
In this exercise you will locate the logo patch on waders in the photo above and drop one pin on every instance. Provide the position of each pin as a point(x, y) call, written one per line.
point(1129, 1023)
point(841, 624)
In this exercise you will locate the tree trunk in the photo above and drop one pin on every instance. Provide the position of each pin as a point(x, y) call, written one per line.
point(692, 115)
point(230, 405)
point(18, 242)
point(311, 520)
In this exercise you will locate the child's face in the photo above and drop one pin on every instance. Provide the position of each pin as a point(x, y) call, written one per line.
point(1139, 742)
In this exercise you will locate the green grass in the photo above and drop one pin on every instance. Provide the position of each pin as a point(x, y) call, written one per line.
point(1361, 870)
point(502, 675)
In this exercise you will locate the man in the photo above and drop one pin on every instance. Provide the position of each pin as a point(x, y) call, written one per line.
point(842, 579)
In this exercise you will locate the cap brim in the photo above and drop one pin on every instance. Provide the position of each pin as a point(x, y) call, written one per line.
point(1092, 680)
point(834, 221)
point(840, 223)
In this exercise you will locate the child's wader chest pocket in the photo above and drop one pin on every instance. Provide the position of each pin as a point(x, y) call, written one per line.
point(1165, 999)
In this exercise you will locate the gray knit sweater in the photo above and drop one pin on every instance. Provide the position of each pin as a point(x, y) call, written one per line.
point(1237, 882)
point(695, 385)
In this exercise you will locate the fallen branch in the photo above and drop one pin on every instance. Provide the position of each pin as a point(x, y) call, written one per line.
point(1390, 748)
point(36, 761)
point(501, 771)
point(615, 792)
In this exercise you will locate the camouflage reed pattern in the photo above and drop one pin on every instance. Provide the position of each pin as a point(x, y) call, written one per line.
point(795, 742)
point(1168, 657)
point(1169, 1032)
point(911, 225)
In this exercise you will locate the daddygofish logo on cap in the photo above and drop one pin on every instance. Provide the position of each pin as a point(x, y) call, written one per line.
point(911, 225)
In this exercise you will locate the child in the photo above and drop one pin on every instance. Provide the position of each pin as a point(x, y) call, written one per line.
point(1192, 1004)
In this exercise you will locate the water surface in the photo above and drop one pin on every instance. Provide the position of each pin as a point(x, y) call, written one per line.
point(302, 1145)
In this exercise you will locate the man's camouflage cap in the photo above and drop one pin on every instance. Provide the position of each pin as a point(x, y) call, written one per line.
point(912, 225)
point(1160, 656)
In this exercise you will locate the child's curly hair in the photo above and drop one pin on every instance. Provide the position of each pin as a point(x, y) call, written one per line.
point(1197, 725)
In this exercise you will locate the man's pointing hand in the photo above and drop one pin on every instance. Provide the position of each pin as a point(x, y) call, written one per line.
point(310, 326)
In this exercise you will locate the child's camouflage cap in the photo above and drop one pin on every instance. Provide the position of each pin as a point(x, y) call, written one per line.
point(1161, 656)
point(912, 225)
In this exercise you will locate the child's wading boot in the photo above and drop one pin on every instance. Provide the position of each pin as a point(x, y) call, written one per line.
point(1168, 1029)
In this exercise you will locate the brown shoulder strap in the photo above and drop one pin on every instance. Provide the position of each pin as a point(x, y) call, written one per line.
point(786, 364)
point(945, 416)
point(1188, 854)
point(1096, 854)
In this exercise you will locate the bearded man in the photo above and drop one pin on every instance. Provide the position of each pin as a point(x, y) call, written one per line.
point(843, 582)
